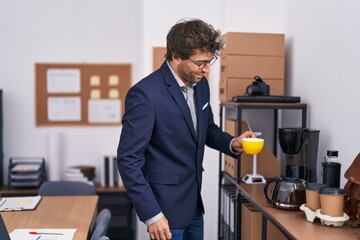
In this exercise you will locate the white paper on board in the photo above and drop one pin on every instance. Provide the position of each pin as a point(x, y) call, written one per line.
point(63, 80)
point(104, 110)
point(64, 108)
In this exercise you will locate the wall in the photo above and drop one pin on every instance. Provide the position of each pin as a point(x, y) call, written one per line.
point(322, 68)
point(321, 65)
point(66, 31)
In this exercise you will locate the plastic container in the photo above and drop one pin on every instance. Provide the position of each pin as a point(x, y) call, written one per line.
point(331, 169)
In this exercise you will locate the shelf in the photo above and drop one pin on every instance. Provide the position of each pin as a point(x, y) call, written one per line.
point(264, 105)
point(293, 224)
point(235, 113)
point(116, 189)
point(12, 192)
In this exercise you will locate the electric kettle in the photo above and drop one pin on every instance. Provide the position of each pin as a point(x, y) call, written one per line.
point(286, 193)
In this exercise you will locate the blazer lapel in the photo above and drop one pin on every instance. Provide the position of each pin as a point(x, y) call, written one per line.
point(200, 116)
point(179, 98)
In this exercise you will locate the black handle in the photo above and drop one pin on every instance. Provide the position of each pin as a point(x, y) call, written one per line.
point(270, 180)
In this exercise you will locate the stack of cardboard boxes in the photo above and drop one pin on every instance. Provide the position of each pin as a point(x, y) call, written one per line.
point(246, 55)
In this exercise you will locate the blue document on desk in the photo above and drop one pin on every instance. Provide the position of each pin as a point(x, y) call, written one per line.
point(19, 203)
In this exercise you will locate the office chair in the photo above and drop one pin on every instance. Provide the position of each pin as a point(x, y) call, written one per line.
point(104, 238)
point(66, 188)
point(101, 225)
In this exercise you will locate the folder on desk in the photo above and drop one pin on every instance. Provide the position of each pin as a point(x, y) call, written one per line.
point(19, 203)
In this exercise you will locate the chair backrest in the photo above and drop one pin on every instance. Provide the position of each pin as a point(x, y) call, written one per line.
point(4, 235)
point(66, 188)
point(104, 238)
point(101, 224)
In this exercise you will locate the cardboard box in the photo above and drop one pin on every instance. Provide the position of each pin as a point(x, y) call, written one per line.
point(251, 221)
point(230, 166)
point(266, 44)
point(237, 66)
point(246, 55)
point(267, 164)
point(158, 57)
point(231, 87)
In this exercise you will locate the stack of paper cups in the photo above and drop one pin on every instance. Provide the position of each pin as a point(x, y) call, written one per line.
point(54, 156)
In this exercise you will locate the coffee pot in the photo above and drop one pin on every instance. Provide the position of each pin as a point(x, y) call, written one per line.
point(286, 193)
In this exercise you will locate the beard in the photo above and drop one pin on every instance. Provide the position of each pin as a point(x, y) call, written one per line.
point(188, 75)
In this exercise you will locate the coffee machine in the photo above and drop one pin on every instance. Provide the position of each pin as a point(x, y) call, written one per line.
point(301, 148)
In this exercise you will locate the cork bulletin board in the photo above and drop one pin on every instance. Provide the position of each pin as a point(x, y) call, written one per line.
point(80, 94)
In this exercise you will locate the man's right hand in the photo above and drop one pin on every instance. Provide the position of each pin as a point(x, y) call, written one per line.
point(160, 230)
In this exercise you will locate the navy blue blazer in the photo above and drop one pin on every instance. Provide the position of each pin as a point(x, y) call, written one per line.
point(159, 155)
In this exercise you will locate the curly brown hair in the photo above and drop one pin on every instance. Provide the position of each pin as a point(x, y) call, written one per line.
point(188, 35)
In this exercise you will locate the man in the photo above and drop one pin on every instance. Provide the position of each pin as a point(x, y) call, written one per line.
point(167, 123)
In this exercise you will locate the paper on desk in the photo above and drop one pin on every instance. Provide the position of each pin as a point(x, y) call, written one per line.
point(24, 234)
point(19, 203)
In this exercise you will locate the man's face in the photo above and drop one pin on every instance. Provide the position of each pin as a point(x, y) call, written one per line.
point(191, 70)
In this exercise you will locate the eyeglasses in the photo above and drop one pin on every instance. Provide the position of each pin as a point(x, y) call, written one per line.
point(202, 64)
